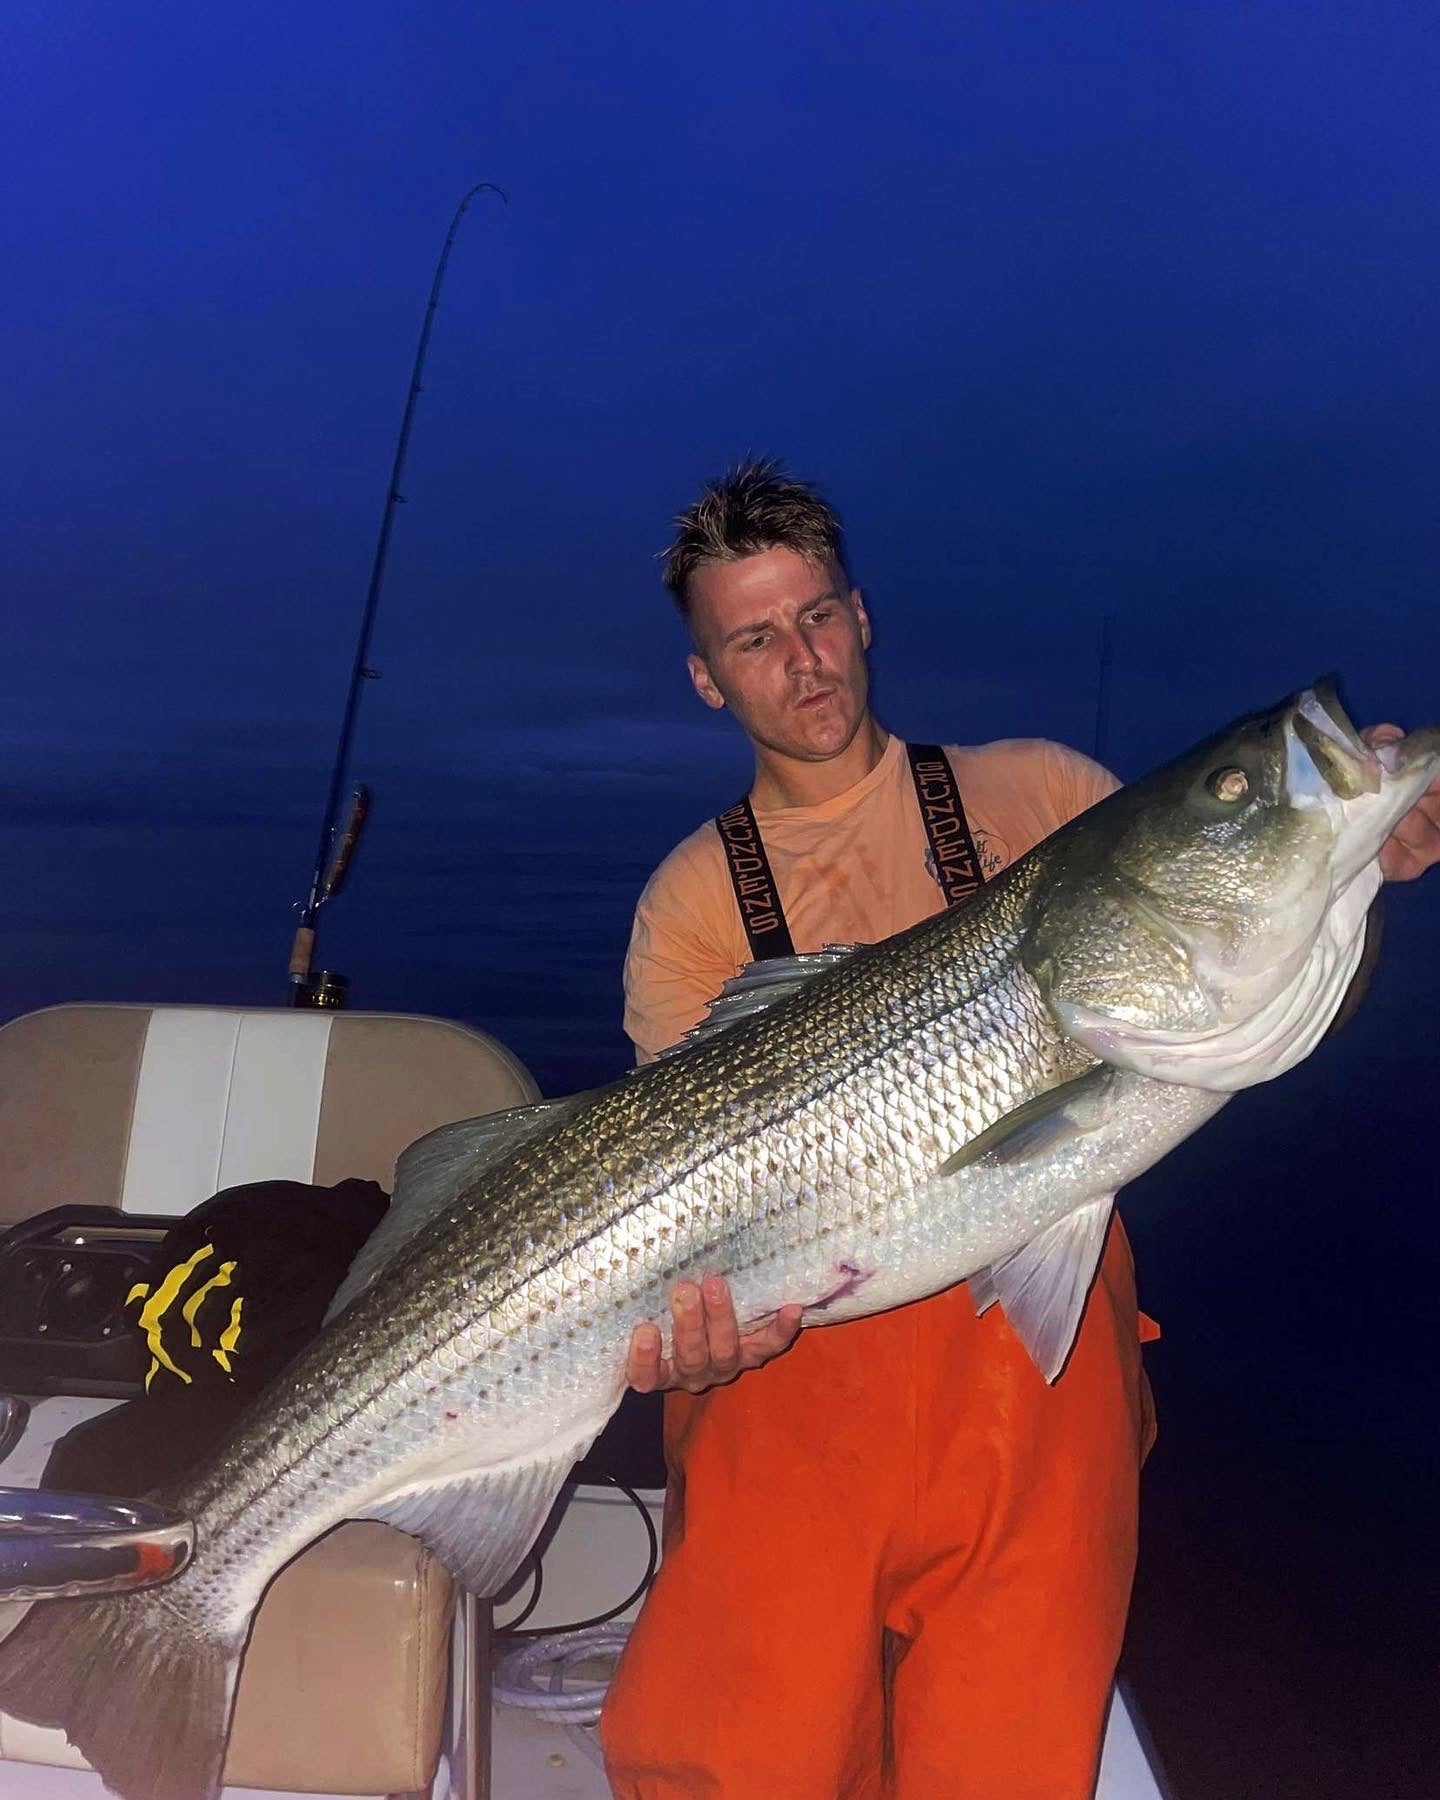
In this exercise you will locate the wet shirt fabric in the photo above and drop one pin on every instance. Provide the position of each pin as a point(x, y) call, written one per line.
point(896, 1563)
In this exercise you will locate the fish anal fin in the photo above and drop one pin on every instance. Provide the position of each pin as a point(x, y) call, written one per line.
point(1043, 1286)
point(481, 1523)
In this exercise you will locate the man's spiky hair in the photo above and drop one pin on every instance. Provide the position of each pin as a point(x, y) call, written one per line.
point(757, 506)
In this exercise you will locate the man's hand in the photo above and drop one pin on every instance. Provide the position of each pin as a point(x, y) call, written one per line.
point(1414, 845)
point(707, 1346)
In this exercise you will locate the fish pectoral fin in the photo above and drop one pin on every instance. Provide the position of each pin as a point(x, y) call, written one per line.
point(482, 1524)
point(1042, 1287)
point(1041, 1126)
point(435, 1171)
point(758, 987)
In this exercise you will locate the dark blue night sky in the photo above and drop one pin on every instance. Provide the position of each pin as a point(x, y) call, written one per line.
point(1120, 311)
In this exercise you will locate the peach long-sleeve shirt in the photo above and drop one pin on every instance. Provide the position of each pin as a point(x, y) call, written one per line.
point(854, 869)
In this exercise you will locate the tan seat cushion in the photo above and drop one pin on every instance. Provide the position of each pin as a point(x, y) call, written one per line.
point(343, 1689)
point(67, 1087)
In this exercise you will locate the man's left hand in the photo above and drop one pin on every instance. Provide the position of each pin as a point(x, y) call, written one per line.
point(1414, 845)
point(709, 1347)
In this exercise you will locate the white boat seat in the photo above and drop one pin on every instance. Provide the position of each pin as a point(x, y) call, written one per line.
point(153, 1109)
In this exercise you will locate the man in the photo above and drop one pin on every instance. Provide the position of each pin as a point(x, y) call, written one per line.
point(900, 1563)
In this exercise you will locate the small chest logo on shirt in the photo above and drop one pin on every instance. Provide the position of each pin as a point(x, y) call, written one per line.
point(956, 859)
point(993, 854)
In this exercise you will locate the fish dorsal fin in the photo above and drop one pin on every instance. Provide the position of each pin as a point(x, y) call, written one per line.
point(481, 1524)
point(758, 987)
point(1040, 1126)
point(436, 1170)
point(1042, 1287)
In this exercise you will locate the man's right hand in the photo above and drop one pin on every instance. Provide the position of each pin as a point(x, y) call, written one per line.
point(707, 1346)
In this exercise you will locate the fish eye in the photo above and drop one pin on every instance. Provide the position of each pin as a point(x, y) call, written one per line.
point(1229, 785)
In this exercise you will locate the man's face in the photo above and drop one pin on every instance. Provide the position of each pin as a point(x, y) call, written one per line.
point(782, 643)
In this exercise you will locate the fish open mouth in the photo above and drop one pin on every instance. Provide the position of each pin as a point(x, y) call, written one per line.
point(1321, 741)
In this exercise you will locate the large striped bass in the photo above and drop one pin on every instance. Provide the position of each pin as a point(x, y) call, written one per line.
point(961, 1101)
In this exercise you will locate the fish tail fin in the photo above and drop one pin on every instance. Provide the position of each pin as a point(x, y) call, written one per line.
point(142, 1693)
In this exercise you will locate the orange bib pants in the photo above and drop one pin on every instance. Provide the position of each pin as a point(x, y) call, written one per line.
point(896, 1564)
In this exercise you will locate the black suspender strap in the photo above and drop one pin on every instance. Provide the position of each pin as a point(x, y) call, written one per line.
point(755, 892)
point(957, 867)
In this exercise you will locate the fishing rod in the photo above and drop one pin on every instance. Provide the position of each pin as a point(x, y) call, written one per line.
point(332, 858)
